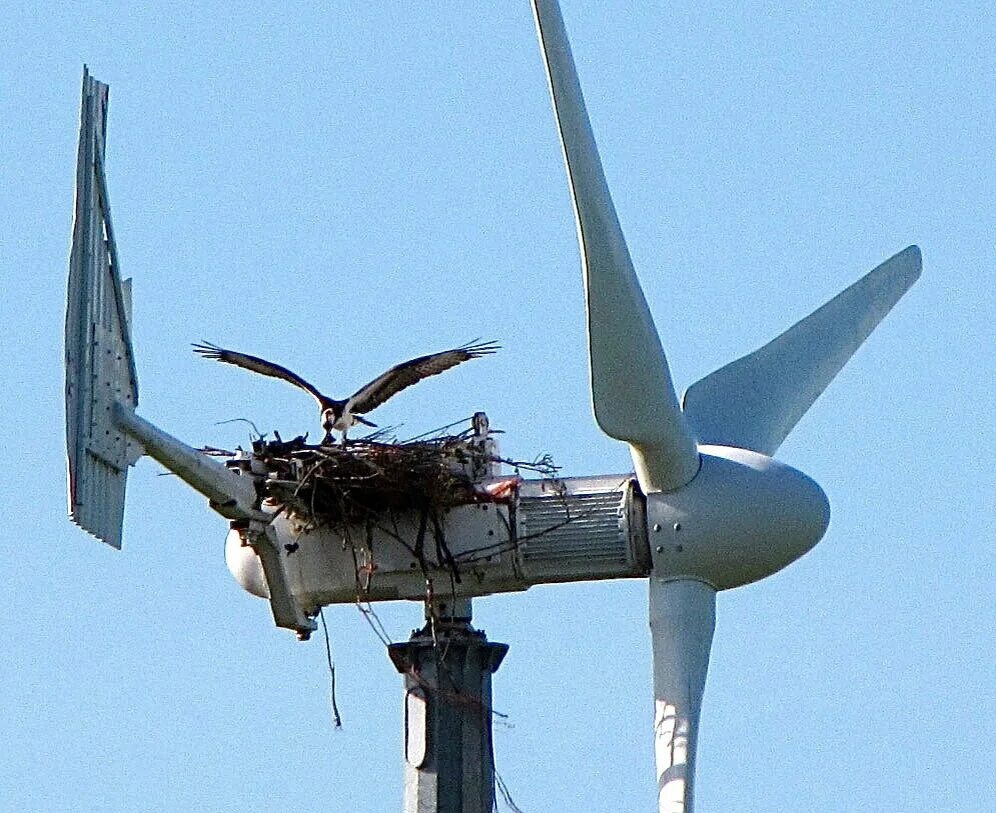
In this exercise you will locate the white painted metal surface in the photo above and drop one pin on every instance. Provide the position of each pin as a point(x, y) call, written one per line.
point(682, 619)
point(416, 718)
point(631, 389)
point(717, 517)
point(244, 565)
point(100, 368)
point(104, 436)
point(231, 495)
point(756, 401)
point(743, 517)
point(574, 529)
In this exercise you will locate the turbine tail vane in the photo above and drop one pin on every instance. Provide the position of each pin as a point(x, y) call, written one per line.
point(104, 436)
point(756, 401)
point(632, 393)
point(100, 367)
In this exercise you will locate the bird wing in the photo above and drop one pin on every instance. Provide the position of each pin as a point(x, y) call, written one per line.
point(258, 365)
point(407, 373)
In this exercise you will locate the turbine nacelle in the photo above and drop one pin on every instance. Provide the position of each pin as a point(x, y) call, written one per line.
point(743, 517)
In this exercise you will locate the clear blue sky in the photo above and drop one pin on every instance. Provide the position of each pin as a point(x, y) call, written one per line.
point(340, 186)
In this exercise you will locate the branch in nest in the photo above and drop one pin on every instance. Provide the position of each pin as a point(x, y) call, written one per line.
point(368, 478)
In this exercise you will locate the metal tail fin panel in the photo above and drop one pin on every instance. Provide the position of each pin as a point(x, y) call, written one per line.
point(100, 366)
point(754, 402)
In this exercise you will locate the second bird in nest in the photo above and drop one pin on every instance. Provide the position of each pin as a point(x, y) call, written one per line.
point(339, 415)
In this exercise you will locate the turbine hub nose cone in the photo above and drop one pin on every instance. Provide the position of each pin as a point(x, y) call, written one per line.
point(744, 516)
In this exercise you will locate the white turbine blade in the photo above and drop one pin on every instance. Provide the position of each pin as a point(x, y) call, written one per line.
point(682, 619)
point(632, 393)
point(754, 402)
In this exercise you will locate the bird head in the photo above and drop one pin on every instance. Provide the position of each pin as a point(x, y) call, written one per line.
point(328, 419)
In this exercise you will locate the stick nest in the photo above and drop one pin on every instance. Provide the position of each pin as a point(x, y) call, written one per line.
point(342, 485)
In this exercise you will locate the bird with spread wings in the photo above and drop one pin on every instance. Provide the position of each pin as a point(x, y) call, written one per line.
point(340, 415)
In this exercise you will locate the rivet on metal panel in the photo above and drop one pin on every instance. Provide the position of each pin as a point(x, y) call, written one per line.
point(657, 527)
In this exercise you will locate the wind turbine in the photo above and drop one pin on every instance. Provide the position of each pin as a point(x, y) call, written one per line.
point(708, 508)
point(718, 507)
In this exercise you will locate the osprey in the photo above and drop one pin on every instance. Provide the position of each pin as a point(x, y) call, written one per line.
point(340, 415)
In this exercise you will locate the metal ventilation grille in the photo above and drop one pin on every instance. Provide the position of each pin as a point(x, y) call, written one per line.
point(583, 535)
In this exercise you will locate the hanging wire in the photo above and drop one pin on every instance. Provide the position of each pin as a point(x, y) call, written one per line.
point(370, 616)
point(336, 717)
point(505, 795)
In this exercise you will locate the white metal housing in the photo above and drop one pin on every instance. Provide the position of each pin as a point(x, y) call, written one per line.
point(574, 529)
